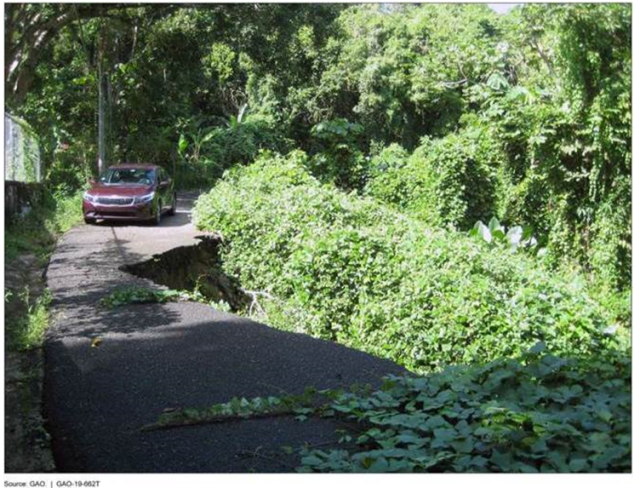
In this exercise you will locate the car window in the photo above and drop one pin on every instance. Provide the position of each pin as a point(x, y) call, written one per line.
point(128, 176)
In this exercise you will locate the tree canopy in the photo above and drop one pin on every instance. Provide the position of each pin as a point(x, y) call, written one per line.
point(540, 97)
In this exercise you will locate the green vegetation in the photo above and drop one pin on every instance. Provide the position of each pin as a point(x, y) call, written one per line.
point(348, 269)
point(302, 405)
point(450, 113)
point(539, 414)
point(204, 154)
point(542, 414)
point(355, 154)
point(27, 315)
point(136, 294)
point(26, 330)
point(38, 230)
point(452, 180)
point(35, 233)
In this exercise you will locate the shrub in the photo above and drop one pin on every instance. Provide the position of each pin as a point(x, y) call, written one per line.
point(390, 179)
point(449, 180)
point(528, 201)
point(207, 153)
point(338, 157)
point(610, 250)
point(349, 269)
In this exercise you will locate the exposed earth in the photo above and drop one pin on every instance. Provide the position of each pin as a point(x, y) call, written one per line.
point(152, 357)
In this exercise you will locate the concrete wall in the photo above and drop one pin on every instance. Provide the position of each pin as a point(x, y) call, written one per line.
point(23, 172)
point(22, 160)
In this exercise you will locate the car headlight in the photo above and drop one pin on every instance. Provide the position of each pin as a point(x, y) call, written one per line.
point(87, 197)
point(144, 198)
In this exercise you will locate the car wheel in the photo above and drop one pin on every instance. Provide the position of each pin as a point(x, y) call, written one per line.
point(158, 216)
point(89, 221)
point(172, 211)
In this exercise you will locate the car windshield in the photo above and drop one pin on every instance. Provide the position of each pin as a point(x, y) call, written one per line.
point(128, 176)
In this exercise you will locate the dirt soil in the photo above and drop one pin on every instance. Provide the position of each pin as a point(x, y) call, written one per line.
point(194, 267)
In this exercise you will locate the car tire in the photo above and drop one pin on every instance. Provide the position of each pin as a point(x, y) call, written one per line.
point(172, 211)
point(158, 216)
point(89, 221)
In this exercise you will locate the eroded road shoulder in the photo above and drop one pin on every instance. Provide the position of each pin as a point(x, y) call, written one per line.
point(157, 356)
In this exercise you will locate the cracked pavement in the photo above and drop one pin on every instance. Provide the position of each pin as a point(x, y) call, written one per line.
point(181, 354)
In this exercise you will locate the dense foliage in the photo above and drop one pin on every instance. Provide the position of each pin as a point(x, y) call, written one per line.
point(525, 116)
point(355, 154)
point(543, 415)
point(347, 268)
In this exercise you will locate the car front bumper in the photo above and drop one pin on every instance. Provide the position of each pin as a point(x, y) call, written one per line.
point(140, 211)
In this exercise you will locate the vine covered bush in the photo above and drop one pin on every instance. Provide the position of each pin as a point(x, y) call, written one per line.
point(452, 180)
point(338, 158)
point(349, 269)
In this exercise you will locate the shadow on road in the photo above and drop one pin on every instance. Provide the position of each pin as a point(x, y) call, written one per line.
point(101, 397)
point(180, 354)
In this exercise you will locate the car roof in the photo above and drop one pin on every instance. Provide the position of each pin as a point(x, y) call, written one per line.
point(134, 166)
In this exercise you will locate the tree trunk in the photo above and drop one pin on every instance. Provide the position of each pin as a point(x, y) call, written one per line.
point(103, 67)
point(101, 120)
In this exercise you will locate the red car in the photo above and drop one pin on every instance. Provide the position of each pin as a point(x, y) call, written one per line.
point(135, 192)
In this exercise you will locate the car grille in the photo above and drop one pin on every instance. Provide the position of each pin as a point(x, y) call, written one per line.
point(107, 213)
point(114, 201)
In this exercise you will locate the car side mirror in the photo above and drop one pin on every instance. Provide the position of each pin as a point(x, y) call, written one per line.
point(91, 181)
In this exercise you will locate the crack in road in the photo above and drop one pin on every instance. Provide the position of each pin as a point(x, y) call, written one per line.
point(157, 356)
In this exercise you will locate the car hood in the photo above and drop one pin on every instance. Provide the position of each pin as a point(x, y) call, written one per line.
point(120, 190)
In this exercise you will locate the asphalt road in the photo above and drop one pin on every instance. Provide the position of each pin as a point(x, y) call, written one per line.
point(157, 356)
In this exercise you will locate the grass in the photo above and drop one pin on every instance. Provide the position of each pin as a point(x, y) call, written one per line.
point(38, 231)
point(25, 331)
point(135, 294)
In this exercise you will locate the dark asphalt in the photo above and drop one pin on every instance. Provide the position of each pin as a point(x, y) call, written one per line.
point(158, 356)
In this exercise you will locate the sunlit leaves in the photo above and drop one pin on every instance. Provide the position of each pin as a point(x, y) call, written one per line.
point(349, 269)
point(514, 238)
point(515, 421)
